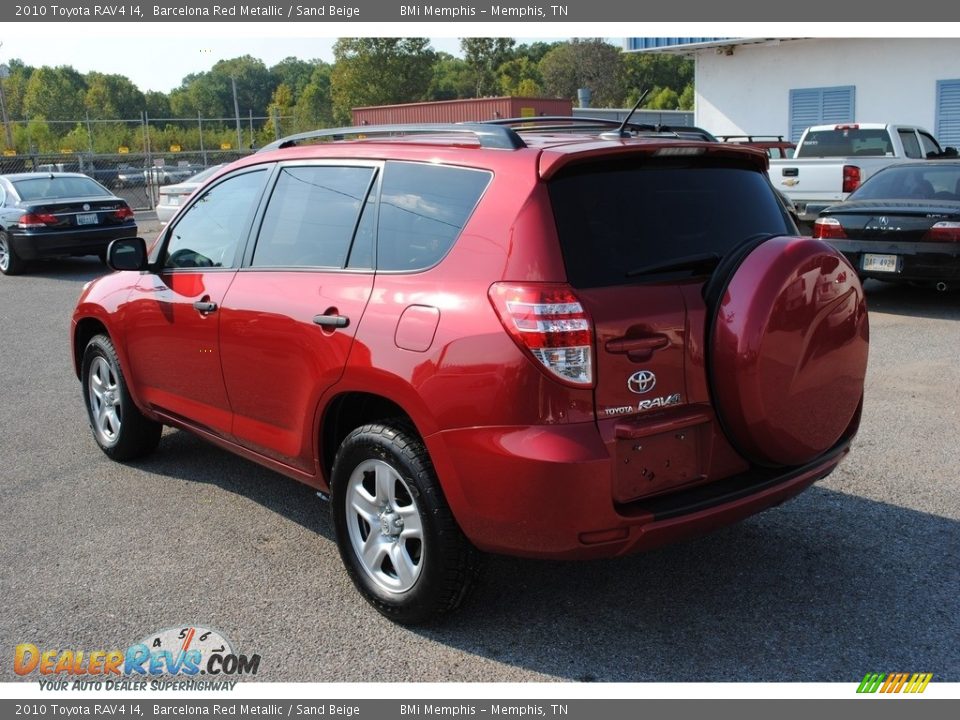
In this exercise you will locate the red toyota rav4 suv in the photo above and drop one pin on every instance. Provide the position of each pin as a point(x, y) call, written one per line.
point(481, 338)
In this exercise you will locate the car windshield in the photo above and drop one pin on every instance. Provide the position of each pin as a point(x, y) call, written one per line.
point(913, 182)
point(48, 188)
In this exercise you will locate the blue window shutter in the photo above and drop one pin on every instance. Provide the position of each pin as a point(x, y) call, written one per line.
point(948, 112)
point(818, 106)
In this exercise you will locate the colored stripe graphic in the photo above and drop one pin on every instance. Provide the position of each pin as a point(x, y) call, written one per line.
point(894, 682)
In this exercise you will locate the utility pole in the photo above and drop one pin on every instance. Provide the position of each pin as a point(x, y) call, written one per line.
point(236, 112)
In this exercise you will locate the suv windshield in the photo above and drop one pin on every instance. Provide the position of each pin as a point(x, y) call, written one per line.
point(613, 219)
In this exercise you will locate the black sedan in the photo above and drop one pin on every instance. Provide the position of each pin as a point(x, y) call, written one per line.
point(902, 224)
point(45, 215)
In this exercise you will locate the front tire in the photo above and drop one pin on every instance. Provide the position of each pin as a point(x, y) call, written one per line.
point(10, 262)
point(397, 537)
point(120, 429)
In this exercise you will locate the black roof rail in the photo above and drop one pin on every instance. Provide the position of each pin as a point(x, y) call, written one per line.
point(752, 138)
point(565, 122)
point(501, 138)
point(547, 123)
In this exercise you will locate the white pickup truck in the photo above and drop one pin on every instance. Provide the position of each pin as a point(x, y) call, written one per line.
point(831, 161)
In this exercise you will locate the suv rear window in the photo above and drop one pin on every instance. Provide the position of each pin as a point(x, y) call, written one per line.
point(614, 219)
point(423, 208)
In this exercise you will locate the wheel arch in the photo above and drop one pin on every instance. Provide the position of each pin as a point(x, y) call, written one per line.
point(349, 410)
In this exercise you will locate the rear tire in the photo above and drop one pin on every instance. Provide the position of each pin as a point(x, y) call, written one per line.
point(120, 429)
point(10, 262)
point(398, 539)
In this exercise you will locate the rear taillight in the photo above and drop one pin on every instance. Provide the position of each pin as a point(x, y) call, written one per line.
point(36, 220)
point(123, 213)
point(827, 228)
point(944, 231)
point(548, 322)
point(851, 178)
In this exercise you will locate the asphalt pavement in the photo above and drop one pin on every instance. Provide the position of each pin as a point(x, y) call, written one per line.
point(858, 574)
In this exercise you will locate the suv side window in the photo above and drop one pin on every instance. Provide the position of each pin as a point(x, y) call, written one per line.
point(211, 229)
point(312, 216)
point(911, 146)
point(423, 208)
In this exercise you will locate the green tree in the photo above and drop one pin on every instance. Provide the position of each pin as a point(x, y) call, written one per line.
point(452, 78)
point(157, 104)
point(520, 77)
point(294, 73)
point(590, 63)
point(687, 98)
point(55, 94)
point(15, 87)
point(280, 107)
point(314, 108)
point(379, 71)
point(484, 56)
point(112, 96)
point(663, 99)
point(645, 71)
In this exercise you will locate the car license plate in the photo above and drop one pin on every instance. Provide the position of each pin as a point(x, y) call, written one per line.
point(879, 263)
point(87, 219)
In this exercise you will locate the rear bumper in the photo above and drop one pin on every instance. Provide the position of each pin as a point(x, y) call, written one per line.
point(922, 261)
point(546, 492)
point(34, 245)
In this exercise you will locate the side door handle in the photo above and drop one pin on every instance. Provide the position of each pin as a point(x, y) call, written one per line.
point(204, 306)
point(331, 321)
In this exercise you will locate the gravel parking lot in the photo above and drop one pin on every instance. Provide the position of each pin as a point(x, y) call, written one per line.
point(858, 574)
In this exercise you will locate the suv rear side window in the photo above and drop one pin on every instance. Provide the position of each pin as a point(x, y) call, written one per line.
point(613, 219)
point(312, 215)
point(423, 208)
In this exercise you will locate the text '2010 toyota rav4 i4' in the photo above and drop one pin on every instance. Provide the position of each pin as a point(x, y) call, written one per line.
point(541, 342)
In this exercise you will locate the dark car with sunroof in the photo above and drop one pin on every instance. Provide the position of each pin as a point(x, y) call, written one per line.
point(46, 215)
point(903, 224)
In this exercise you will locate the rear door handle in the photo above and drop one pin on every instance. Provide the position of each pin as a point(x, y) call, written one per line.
point(204, 306)
point(638, 349)
point(332, 321)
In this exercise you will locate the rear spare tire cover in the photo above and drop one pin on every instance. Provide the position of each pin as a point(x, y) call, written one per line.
point(788, 351)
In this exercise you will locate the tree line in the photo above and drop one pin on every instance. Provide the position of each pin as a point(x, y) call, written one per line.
point(52, 106)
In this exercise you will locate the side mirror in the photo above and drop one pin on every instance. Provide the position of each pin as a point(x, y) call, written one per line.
point(127, 254)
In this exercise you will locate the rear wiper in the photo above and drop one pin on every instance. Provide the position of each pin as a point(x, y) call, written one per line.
point(703, 261)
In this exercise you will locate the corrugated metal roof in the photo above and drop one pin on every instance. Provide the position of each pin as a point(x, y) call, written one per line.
point(659, 43)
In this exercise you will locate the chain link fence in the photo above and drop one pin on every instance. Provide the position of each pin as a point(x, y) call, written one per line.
point(134, 158)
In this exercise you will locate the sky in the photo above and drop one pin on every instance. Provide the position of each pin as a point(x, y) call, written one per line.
point(157, 56)
point(160, 63)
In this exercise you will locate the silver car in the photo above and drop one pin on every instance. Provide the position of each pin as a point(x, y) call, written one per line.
point(171, 197)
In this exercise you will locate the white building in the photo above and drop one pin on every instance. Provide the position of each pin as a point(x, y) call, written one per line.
point(764, 86)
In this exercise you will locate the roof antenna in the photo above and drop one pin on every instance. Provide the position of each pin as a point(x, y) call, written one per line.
point(621, 131)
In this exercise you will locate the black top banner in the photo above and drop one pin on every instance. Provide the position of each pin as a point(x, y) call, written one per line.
point(485, 12)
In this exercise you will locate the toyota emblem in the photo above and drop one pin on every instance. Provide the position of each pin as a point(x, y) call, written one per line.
point(641, 382)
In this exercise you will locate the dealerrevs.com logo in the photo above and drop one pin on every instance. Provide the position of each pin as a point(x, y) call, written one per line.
point(172, 659)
